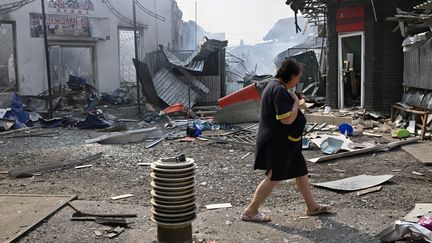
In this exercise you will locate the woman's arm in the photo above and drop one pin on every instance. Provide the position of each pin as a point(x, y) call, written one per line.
point(294, 111)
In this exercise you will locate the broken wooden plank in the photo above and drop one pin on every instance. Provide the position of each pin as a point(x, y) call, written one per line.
point(369, 190)
point(121, 196)
point(417, 173)
point(372, 134)
point(365, 150)
point(53, 166)
point(218, 205)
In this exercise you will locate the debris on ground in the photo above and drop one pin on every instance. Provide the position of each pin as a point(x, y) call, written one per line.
point(355, 183)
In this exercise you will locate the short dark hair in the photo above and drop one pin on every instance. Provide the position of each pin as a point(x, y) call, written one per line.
point(288, 68)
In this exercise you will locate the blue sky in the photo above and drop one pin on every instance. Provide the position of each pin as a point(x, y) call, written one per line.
point(239, 19)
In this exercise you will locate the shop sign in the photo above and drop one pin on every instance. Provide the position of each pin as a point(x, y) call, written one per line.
point(60, 25)
point(77, 7)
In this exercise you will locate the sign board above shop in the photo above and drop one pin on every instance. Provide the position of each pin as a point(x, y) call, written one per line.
point(59, 25)
point(349, 19)
point(79, 7)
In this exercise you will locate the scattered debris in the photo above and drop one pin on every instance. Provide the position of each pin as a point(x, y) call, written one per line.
point(115, 232)
point(246, 155)
point(396, 170)
point(365, 150)
point(121, 196)
point(399, 229)
point(369, 190)
point(417, 173)
point(419, 210)
point(355, 183)
point(372, 134)
point(83, 166)
point(331, 145)
point(126, 137)
point(219, 205)
point(339, 170)
point(144, 164)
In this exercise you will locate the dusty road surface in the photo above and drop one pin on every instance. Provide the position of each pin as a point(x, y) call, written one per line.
point(222, 177)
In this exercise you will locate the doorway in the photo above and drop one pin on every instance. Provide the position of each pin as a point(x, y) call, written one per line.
point(351, 69)
point(8, 70)
point(127, 53)
point(71, 60)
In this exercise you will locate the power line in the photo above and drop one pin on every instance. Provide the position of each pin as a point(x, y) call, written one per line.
point(149, 12)
point(9, 7)
point(120, 16)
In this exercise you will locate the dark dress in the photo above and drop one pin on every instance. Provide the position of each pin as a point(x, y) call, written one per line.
point(279, 146)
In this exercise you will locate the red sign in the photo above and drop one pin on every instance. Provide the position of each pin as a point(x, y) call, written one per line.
point(350, 19)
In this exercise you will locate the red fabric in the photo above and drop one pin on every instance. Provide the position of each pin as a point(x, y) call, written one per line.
point(426, 221)
point(174, 108)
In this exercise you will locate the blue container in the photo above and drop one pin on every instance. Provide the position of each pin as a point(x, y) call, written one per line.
point(346, 129)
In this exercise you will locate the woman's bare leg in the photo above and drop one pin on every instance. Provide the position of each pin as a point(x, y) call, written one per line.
point(261, 193)
point(303, 186)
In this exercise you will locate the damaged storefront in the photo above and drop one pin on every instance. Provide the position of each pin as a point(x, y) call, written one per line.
point(365, 64)
point(89, 39)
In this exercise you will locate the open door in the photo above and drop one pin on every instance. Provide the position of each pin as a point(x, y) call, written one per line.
point(351, 69)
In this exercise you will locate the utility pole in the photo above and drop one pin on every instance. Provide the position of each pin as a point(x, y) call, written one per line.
point(136, 58)
point(47, 59)
point(196, 25)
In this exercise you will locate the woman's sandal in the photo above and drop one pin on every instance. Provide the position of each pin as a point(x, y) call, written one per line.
point(259, 218)
point(322, 208)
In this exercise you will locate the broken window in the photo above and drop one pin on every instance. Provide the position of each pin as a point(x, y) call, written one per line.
point(8, 73)
point(66, 60)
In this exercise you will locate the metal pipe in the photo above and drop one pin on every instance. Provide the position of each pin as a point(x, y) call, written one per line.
point(136, 57)
point(47, 58)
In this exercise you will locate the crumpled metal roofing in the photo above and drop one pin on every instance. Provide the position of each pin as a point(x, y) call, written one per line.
point(195, 62)
point(425, 5)
point(172, 90)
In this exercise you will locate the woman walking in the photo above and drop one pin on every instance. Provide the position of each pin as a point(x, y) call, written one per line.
point(279, 143)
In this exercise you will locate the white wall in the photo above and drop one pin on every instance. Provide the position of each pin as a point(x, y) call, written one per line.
point(32, 78)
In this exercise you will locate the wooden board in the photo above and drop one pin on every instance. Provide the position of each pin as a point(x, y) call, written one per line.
point(20, 213)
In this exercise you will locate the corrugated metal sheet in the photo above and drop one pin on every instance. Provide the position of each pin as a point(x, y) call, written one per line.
point(190, 65)
point(232, 87)
point(417, 63)
point(197, 85)
point(425, 5)
point(172, 90)
point(195, 62)
point(214, 85)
